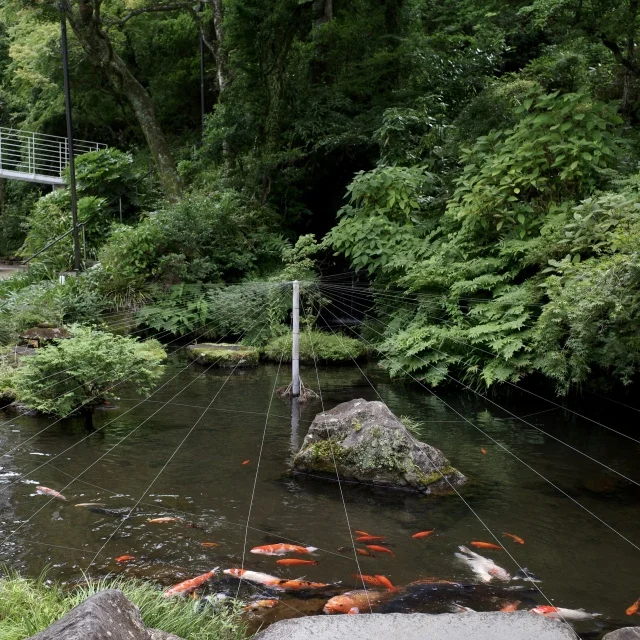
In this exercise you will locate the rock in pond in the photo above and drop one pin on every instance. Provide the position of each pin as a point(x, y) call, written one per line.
point(626, 633)
point(106, 615)
point(372, 446)
point(420, 626)
point(224, 355)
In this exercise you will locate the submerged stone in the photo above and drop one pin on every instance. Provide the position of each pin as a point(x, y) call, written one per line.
point(368, 444)
point(224, 355)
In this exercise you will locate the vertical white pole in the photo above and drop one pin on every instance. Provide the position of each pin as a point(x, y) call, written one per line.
point(295, 345)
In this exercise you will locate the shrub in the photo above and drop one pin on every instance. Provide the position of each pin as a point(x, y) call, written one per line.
point(29, 606)
point(315, 345)
point(86, 368)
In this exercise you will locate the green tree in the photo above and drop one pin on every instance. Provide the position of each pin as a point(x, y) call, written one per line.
point(87, 368)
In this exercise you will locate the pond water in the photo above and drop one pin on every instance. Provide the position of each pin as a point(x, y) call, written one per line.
point(582, 562)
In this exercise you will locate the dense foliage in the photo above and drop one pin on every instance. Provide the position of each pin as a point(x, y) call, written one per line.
point(476, 161)
point(81, 372)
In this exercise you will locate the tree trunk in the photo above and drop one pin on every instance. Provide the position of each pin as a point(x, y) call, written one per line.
point(631, 46)
point(221, 59)
point(86, 26)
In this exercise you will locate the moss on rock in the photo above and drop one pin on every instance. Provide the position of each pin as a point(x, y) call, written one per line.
point(365, 442)
point(224, 355)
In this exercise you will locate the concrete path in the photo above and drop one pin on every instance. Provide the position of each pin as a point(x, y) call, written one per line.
point(420, 626)
point(7, 270)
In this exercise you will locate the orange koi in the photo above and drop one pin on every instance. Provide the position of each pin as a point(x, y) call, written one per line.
point(510, 607)
point(379, 549)
point(518, 539)
point(422, 534)
point(281, 549)
point(246, 462)
point(370, 580)
point(352, 600)
point(52, 493)
point(261, 604)
point(371, 539)
point(189, 585)
point(383, 581)
point(364, 552)
point(163, 520)
point(292, 562)
point(272, 581)
point(208, 545)
point(122, 559)
point(360, 533)
point(633, 609)
point(486, 545)
point(484, 451)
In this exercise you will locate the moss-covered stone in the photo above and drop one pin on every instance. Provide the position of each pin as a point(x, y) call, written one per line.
point(365, 442)
point(224, 355)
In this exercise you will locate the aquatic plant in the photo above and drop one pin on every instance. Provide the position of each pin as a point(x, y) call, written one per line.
point(319, 346)
point(28, 606)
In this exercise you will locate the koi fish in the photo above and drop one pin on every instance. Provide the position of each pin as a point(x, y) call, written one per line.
point(195, 525)
point(484, 568)
point(272, 581)
point(360, 533)
point(422, 534)
point(559, 613)
point(525, 574)
point(246, 462)
point(517, 539)
point(261, 604)
point(487, 545)
point(189, 585)
point(633, 609)
point(484, 451)
point(364, 552)
point(370, 580)
point(352, 600)
point(458, 608)
point(292, 562)
point(353, 611)
point(208, 545)
point(52, 493)
point(163, 520)
point(281, 549)
point(386, 583)
point(379, 549)
point(89, 504)
point(122, 559)
point(509, 607)
point(370, 539)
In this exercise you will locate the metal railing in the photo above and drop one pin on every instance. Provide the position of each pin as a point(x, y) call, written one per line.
point(38, 157)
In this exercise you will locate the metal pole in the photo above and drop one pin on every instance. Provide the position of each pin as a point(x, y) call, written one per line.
point(72, 166)
point(202, 79)
point(120, 199)
point(295, 345)
point(84, 243)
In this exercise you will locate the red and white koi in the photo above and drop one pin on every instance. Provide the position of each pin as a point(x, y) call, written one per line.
point(281, 549)
point(560, 613)
point(484, 568)
point(183, 588)
point(52, 493)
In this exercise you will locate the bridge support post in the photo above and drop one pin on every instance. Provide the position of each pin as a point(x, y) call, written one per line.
point(72, 166)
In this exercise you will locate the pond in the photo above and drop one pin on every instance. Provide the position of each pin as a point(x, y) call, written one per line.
point(582, 559)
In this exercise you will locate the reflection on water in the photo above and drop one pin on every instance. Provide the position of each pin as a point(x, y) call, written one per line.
point(583, 563)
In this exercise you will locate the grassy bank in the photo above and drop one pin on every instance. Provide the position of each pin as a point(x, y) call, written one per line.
point(28, 606)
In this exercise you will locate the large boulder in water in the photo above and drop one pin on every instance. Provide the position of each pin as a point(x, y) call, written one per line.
point(370, 445)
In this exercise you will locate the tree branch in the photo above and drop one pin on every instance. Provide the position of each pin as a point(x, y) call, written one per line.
point(613, 46)
point(152, 9)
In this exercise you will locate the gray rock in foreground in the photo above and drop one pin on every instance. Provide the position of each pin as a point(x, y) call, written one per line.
point(628, 633)
point(371, 446)
point(108, 615)
point(420, 626)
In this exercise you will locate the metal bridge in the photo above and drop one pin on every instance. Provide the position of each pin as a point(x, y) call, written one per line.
point(38, 157)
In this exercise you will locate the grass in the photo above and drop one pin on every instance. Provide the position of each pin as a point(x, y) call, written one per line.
point(323, 347)
point(28, 606)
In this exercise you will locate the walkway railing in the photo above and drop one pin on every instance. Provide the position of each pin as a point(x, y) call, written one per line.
point(38, 157)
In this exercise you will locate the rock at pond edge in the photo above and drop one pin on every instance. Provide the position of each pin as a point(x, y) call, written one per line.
point(371, 446)
point(224, 355)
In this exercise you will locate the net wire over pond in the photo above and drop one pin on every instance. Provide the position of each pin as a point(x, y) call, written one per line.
point(246, 526)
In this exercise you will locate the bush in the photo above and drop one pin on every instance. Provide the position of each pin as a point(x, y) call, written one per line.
point(86, 368)
point(29, 606)
point(315, 345)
